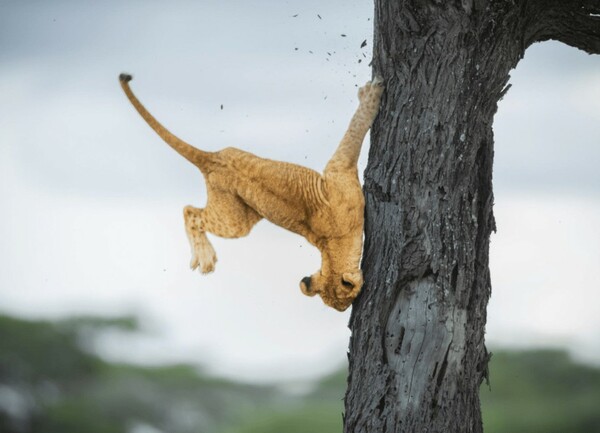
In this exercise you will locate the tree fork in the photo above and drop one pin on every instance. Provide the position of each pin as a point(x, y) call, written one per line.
point(417, 355)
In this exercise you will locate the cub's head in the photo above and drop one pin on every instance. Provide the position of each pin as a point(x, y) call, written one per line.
point(337, 290)
point(340, 279)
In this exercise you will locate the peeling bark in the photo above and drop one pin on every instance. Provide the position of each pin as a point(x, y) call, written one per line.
point(417, 354)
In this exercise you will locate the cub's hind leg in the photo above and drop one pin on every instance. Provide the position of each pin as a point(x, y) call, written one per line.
point(203, 253)
point(225, 215)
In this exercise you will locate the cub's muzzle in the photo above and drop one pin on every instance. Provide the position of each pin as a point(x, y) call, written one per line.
point(305, 286)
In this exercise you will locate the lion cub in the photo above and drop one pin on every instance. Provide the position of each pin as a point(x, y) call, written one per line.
point(326, 209)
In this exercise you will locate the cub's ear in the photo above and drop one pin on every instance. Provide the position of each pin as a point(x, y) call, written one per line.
point(352, 280)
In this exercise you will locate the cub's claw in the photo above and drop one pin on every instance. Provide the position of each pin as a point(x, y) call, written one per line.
point(194, 263)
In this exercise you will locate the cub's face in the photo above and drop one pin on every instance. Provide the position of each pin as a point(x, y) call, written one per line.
point(337, 290)
point(340, 279)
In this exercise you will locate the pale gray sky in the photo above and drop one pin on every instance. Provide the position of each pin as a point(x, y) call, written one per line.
point(91, 199)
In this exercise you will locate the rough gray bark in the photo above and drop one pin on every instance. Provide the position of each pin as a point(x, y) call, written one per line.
point(417, 353)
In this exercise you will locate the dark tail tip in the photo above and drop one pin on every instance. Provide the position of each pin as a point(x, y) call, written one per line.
point(125, 78)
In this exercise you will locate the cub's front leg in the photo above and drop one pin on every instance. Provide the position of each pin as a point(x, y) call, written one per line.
point(346, 156)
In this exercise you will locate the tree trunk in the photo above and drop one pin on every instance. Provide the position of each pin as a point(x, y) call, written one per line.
point(417, 353)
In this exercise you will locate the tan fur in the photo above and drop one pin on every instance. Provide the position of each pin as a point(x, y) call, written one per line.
point(326, 209)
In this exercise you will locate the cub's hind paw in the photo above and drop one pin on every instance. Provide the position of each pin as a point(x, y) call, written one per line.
point(203, 255)
point(205, 265)
point(207, 268)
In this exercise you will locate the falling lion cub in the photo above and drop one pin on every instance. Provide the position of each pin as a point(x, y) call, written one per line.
point(326, 209)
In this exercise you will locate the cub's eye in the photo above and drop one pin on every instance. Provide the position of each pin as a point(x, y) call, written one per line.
point(347, 284)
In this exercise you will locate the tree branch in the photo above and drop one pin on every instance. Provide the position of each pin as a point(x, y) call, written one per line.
point(575, 23)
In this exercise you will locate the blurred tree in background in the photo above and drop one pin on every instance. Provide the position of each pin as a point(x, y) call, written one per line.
point(51, 382)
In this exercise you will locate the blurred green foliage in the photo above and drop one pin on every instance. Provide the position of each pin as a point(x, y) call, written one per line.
point(51, 382)
point(541, 391)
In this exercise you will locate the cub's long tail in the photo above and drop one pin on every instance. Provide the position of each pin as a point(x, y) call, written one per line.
point(196, 156)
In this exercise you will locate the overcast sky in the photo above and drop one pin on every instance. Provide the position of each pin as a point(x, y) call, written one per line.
point(92, 200)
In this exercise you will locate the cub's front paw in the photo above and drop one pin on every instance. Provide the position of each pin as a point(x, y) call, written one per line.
point(370, 93)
